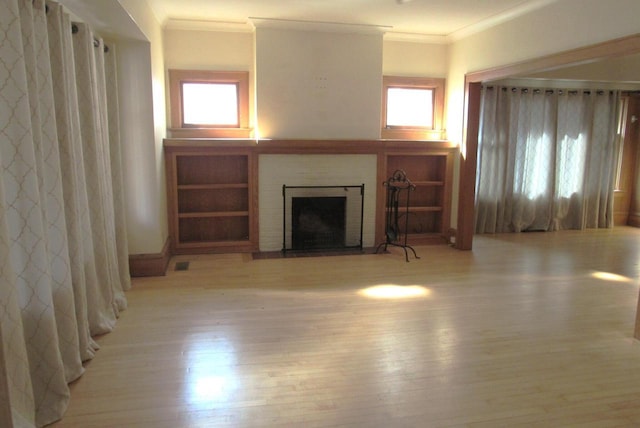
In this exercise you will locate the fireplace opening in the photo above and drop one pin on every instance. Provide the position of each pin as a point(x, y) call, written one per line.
point(322, 217)
point(318, 222)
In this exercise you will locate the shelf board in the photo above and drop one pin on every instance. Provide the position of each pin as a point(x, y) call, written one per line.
point(425, 209)
point(214, 214)
point(200, 244)
point(419, 209)
point(428, 183)
point(212, 186)
point(201, 247)
point(427, 238)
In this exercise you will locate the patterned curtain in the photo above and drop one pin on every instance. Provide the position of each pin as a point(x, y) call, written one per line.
point(63, 251)
point(546, 159)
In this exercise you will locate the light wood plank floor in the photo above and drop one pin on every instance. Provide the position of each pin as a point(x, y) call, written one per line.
point(527, 330)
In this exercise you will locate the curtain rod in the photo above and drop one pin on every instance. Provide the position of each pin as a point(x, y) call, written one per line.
point(551, 91)
point(75, 29)
point(96, 42)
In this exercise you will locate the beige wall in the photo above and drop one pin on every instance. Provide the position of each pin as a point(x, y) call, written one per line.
point(318, 84)
point(143, 124)
point(414, 59)
point(201, 50)
point(223, 50)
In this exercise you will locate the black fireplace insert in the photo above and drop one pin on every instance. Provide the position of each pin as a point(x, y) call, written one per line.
point(322, 217)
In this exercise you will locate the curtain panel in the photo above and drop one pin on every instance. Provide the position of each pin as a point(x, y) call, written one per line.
point(546, 159)
point(63, 250)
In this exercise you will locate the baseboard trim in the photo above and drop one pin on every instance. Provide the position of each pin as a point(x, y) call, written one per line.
point(150, 264)
point(634, 220)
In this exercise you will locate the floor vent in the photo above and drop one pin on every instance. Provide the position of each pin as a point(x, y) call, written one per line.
point(182, 266)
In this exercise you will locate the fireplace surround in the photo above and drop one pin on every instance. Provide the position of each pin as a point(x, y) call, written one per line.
point(322, 217)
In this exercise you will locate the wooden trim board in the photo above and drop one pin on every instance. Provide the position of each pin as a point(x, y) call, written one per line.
point(150, 264)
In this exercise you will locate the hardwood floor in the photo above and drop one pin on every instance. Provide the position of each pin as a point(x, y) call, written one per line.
point(527, 330)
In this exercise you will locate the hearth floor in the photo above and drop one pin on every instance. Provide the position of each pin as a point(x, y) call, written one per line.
point(311, 253)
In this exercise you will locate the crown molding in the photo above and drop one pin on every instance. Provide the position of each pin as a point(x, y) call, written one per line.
point(320, 26)
point(208, 25)
point(498, 19)
point(416, 38)
point(343, 27)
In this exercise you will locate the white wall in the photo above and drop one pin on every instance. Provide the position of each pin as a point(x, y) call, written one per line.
point(312, 170)
point(318, 85)
point(414, 59)
point(138, 151)
point(142, 93)
point(208, 50)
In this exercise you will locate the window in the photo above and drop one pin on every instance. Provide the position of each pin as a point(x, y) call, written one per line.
point(412, 108)
point(211, 104)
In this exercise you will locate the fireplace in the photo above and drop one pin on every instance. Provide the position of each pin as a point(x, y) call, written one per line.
point(322, 217)
point(318, 222)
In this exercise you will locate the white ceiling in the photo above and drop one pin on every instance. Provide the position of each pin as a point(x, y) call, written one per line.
point(431, 20)
point(440, 18)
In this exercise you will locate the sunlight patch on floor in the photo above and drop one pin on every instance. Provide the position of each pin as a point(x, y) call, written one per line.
point(211, 372)
point(608, 276)
point(393, 291)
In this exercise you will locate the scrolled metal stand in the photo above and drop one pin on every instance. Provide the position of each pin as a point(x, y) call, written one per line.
point(396, 184)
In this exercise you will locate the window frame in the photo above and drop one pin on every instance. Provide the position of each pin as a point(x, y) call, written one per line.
point(179, 129)
point(414, 132)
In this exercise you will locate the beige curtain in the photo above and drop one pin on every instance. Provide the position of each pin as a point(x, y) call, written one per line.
point(63, 268)
point(546, 159)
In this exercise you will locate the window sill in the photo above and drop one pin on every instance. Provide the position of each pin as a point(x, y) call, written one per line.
point(412, 134)
point(209, 132)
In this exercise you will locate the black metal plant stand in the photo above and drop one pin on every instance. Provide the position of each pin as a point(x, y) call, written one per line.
point(396, 185)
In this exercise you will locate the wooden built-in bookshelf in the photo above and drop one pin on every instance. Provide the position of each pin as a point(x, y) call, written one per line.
point(429, 203)
point(212, 188)
point(211, 200)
